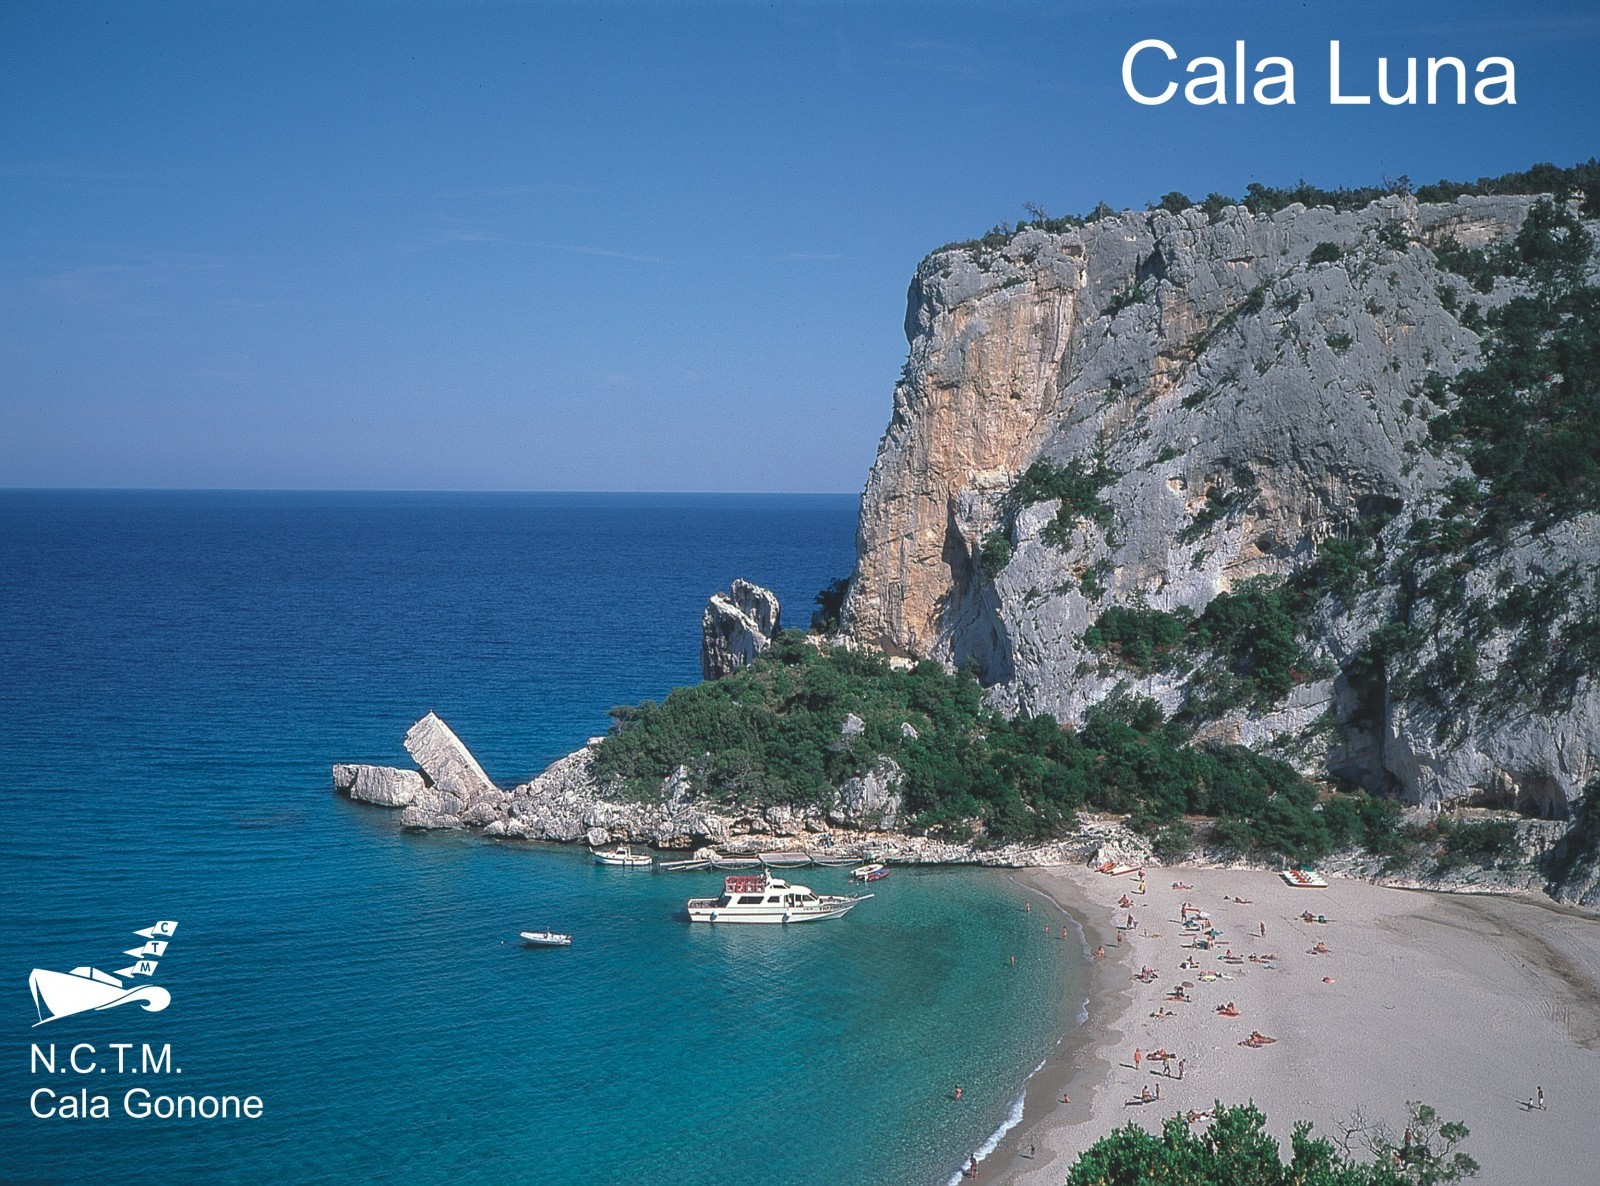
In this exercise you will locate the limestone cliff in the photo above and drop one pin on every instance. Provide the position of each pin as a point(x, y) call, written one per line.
point(1244, 388)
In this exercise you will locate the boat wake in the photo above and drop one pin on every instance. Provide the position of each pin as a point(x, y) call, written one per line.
point(1013, 1118)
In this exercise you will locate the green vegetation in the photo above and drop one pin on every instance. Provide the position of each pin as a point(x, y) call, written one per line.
point(1393, 235)
point(1528, 418)
point(1128, 296)
point(770, 733)
point(1235, 1149)
point(830, 605)
point(1075, 484)
point(1221, 502)
point(1245, 648)
point(1339, 342)
point(1145, 639)
point(1580, 181)
point(994, 553)
point(1325, 253)
point(1485, 843)
point(1527, 422)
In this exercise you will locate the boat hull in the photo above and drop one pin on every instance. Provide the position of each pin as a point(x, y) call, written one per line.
point(707, 910)
point(546, 939)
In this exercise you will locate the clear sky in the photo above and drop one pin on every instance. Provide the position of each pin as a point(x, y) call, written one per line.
point(618, 246)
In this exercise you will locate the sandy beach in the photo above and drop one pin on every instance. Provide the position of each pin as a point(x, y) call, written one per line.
point(1468, 1003)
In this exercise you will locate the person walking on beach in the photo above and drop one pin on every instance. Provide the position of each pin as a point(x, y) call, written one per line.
point(1541, 1099)
point(1182, 1062)
point(1263, 930)
point(1138, 1057)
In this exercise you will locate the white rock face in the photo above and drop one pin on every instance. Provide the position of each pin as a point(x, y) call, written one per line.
point(384, 785)
point(1196, 361)
point(736, 627)
point(873, 800)
point(449, 766)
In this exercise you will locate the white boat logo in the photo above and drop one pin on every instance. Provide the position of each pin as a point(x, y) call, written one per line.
point(61, 994)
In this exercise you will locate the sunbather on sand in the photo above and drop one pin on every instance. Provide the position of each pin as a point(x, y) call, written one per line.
point(1228, 1010)
point(1320, 949)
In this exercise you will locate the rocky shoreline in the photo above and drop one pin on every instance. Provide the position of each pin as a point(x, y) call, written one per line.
point(569, 804)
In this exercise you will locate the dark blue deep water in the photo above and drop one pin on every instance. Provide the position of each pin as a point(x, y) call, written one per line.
point(177, 673)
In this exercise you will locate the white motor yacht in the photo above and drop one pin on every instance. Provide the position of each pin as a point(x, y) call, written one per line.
point(761, 897)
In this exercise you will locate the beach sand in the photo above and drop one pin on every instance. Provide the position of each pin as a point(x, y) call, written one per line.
point(1465, 1002)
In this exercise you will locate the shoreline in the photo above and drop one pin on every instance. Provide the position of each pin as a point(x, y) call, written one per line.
point(1078, 1062)
point(1465, 1002)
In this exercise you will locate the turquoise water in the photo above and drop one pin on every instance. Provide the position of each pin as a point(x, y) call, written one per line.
point(180, 671)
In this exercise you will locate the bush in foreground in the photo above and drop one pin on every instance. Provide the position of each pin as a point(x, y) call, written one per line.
point(1236, 1151)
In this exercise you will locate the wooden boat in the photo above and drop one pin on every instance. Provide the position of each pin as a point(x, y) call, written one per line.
point(684, 866)
point(546, 939)
point(623, 856)
point(785, 860)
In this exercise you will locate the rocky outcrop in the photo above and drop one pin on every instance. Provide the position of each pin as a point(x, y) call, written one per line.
point(384, 785)
point(449, 766)
point(872, 802)
point(451, 791)
point(736, 627)
point(1238, 404)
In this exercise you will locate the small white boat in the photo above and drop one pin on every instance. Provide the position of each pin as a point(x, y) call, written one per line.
point(763, 898)
point(624, 856)
point(547, 938)
point(872, 872)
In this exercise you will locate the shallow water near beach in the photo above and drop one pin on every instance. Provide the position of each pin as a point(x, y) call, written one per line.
point(180, 671)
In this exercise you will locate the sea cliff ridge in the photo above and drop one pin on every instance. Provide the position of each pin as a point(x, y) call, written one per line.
point(1309, 479)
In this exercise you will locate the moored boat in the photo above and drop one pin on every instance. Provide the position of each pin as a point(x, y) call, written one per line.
point(547, 938)
point(872, 872)
point(785, 860)
point(763, 898)
point(623, 856)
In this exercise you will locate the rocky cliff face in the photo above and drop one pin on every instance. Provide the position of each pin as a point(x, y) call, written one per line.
point(1242, 393)
point(736, 627)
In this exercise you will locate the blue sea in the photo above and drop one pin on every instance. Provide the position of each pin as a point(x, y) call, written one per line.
point(177, 673)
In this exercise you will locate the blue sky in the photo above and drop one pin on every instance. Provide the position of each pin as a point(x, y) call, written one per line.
point(619, 246)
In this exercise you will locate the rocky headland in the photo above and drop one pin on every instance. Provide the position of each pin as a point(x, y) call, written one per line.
point(1231, 459)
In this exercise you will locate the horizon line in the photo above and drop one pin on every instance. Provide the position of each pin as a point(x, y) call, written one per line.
point(384, 490)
